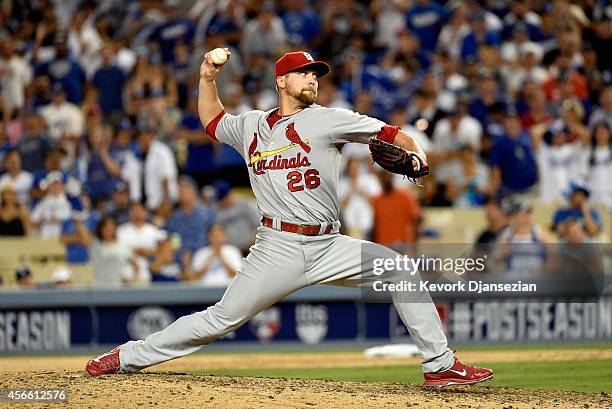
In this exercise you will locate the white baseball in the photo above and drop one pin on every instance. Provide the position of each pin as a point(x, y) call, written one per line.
point(218, 56)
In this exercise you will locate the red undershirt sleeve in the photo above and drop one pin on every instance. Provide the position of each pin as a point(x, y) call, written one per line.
point(211, 128)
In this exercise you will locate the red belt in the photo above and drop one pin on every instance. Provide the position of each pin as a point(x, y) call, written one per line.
point(305, 229)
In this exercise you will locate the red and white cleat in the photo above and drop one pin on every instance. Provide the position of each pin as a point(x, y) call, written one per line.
point(107, 363)
point(458, 374)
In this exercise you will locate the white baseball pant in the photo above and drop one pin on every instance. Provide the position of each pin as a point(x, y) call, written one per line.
point(278, 264)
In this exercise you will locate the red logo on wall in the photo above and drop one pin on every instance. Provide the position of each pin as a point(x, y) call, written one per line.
point(266, 324)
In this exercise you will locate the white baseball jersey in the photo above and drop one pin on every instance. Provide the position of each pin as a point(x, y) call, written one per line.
point(294, 166)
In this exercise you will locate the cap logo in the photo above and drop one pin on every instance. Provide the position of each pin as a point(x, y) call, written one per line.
point(308, 56)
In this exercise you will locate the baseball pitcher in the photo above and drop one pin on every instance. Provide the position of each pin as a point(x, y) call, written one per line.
point(293, 156)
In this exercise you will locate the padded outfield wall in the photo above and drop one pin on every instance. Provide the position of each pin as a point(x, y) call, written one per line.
point(71, 320)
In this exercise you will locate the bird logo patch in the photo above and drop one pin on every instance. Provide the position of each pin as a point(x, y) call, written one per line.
point(294, 137)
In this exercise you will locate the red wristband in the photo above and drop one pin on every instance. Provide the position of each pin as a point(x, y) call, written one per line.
point(387, 133)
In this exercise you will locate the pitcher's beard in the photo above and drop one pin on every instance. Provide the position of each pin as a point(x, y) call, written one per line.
point(307, 98)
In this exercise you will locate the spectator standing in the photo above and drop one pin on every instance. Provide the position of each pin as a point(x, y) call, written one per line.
point(14, 218)
point(424, 113)
point(53, 163)
point(341, 21)
point(488, 95)
point(49, 214)
point(34, 143)
point(264, 34)
point(113, 262)
point(604, 110)
point(142, 238)
point(19, 178)
point(159, 170)
point(397, 215)
point(411, 55)
point(564, 81)
point(84, 39)
point(355, 189)
point(191, 218)
point(102, 164)
point(216, 264)
point(65, 70)
point(425, 19)
point(452, 34)
point(454, 131)
point(15, 76)
point(64, 119)
point(200, 160)
point(513, 165)
point(237, 215)
point(173, 30)
point(137, 87)
point(122, 149)
point(527, 68)
point(107, 83)
point(510, 49)
point(300, 21)
point(479, 34)
point(523, 17)
point(182, 70)
point(76, 248)
point(597, 163)
point(558, 160)
point(226, 23)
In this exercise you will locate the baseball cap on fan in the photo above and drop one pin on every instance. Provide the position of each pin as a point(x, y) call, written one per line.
point(299, 60)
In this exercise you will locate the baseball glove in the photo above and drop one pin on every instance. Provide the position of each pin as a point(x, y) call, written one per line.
point(398, 160)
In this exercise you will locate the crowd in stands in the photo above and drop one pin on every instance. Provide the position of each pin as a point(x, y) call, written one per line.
point(102, 149)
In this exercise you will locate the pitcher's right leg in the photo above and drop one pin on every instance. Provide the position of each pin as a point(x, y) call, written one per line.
point(273, 269)
point(242, 300)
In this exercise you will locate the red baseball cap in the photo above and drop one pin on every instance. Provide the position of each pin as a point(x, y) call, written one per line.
point(297, 60)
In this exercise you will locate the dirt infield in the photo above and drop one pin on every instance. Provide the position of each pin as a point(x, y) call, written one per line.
point(176, 390)
point(169, 386)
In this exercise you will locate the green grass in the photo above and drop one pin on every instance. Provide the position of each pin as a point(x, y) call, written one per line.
point(584, 376)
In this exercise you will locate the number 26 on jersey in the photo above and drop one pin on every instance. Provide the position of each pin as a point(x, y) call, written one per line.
point(296, 180)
